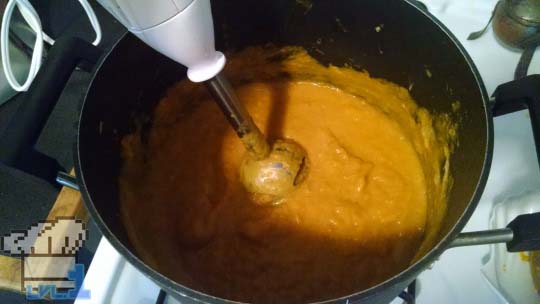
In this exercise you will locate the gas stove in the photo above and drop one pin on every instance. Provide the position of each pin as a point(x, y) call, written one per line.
point(461, 274)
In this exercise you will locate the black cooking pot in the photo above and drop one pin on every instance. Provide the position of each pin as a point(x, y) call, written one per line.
point(393, 39)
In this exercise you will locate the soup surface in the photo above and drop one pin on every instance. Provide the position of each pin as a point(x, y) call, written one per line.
point(376, 176)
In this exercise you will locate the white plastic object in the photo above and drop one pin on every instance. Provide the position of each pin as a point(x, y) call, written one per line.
point(35, 24)
point(138, 15)
point(32, 18)
point(93, 21)
point(182, 30)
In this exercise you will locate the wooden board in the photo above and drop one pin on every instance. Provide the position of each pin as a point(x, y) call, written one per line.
point(67, 204)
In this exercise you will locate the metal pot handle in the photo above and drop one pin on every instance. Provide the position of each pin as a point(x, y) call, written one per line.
point(67, 180)
point(522, 234)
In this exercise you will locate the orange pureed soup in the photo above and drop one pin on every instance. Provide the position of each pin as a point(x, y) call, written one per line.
point(375, 192)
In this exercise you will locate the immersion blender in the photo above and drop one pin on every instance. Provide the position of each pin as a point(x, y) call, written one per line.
point(183, 31)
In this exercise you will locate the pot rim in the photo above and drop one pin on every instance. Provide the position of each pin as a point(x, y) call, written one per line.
point(409, 273)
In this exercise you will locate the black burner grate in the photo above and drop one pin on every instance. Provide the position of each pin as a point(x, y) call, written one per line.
point(408, 296)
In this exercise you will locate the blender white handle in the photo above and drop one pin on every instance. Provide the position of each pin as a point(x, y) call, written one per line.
point(180, 29)
point(188, 38)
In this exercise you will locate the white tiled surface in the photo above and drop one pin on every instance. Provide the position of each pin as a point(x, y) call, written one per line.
point(456, 277)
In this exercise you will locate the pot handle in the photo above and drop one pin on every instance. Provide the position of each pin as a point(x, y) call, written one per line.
point(23, 130)
point(67, 180)
point(522, 234)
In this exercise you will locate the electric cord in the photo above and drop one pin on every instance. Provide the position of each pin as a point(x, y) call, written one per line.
point(32, 18)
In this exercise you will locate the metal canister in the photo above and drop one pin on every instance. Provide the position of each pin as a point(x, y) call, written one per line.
point(517, 23)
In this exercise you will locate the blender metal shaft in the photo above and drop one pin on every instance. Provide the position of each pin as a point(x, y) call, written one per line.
point(238, 116)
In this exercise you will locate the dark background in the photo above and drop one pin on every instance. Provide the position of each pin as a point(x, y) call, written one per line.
point(26, 199)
